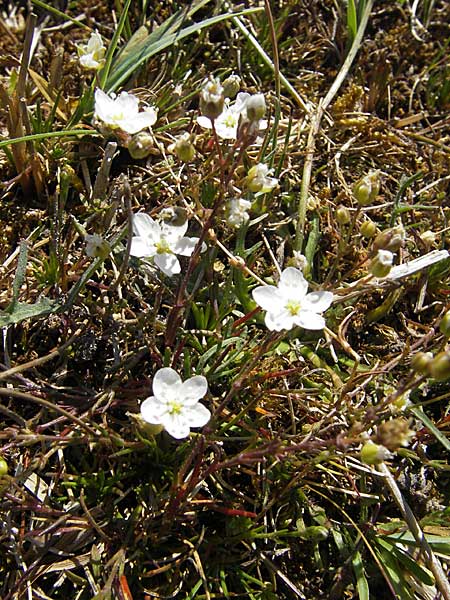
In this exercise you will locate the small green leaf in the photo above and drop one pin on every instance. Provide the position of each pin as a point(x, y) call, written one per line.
point(22, 311)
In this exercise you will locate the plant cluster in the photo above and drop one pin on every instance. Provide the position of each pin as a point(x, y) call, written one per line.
point(224, 301)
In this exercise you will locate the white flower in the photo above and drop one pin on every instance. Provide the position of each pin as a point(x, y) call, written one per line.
point(122, 112)
point(92, 54)
point(227, 122)
point(237, 212)
point(161, 241)
point(96, 246)
point(175, 404)
point(258, 179)
point(288, 304)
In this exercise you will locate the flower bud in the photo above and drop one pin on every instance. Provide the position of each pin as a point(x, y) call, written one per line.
point(381, 264)
point(258, 179)
point(183, 148)
point(231, 86)
point(368, 229)
point(390, 239)
point(421, 361)
point(428, 237)
point(444, 325)
point(3, 467)
point(343, 216)
point(394, 433)
point(212, 99)
point(366, 189)
point(440, 366)
point(140, 145)
point(97, 247)
point(255, 107)
point(374, 454)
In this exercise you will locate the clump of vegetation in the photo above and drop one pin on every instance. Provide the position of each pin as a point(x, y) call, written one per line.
point(224, 300)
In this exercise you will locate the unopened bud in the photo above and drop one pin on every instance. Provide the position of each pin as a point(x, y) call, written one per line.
point(231, 86)
point(97, 247)
point(366, 189)
point(444, 325)
point(183, 148)
point(421, 361)
point(255, 107)
point(390, 239)
point(440, 366)
point(212, 99)
point(394, 433)
point(343, 215)
point(3, 467)
point(381, 264)
point(368, 229)
point(374, 454)
point(428, 237)
point(140, 145)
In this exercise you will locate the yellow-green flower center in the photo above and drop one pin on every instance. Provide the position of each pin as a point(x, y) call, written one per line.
point(175, 407)
point(230, 121)
point(162, 247)
point(293, 306)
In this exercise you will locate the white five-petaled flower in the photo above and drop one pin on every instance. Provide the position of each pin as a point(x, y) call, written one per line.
point(227, 122)
point(175, 404)
point(162, 242)
point(289, 304)
point(92, 54)
point(122, 112)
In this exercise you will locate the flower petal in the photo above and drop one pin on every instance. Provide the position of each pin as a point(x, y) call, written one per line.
point(204, 122)
point(173, 233)
point(128, 104)
point(176, 425)
point(134, 123)
point(146, 227)
point(152, 410)
point(166, 384)
point(193, 389)
point(168, 263)
point(140, 247)
point(277, 321)
point(104, 105)
point(317, 301)
point(293, 286)
point(267, 296)
point(309, 320)
point(198, 415)
point(185, 246)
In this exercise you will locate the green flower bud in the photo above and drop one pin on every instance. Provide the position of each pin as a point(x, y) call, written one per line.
point(421, 361)
point(97, 247)
point(212, 99)
point(231, 86)
point(342, 215)
point(3, 467)
point(140, 145)
point(381, 264)
point(368, 229)
point(390, 239)
point(366, 189)
point(374, 454)
point(444, 325)
point(255, 107)
point(440, 366)
point(183, 148)
point(394, 433)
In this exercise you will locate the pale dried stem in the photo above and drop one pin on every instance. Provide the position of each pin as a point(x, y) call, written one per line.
point(316, 120)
